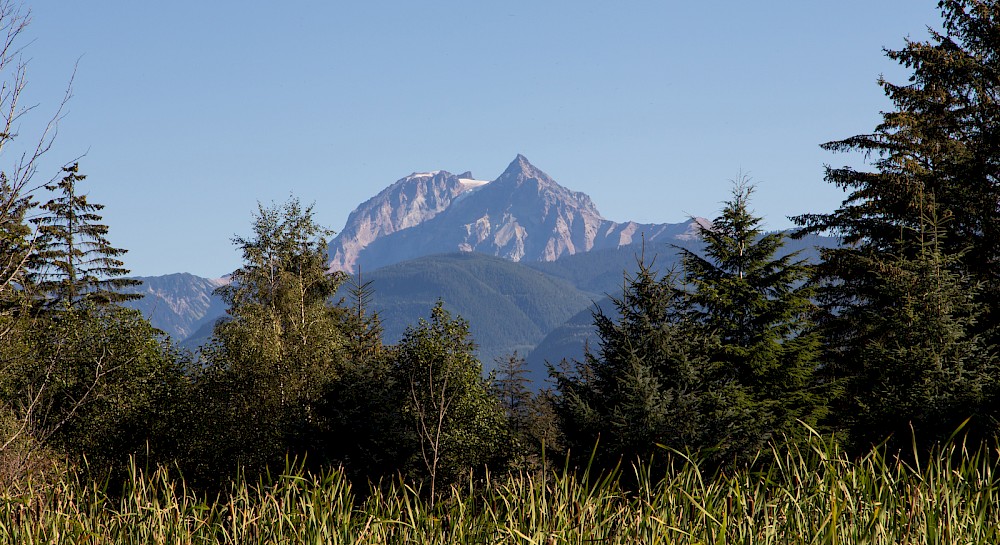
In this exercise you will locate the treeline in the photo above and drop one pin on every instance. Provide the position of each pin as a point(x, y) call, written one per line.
point(891, 337)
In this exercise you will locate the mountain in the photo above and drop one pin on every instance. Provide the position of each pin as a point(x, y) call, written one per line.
point(523, 215)
point(408, 202)
point(179, 304)
point(522, 258)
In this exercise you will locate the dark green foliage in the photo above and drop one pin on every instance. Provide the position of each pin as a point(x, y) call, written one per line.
point(642, 388)
point(458, 425)
point(512, 387)
point(94, 381)
point(16, 245)
point(363, 326)
point(942, 138)
point(758, 306)
point(600, 272)
point(911, 299)
point(365, 429)
point(73, 261)
point(911, 358)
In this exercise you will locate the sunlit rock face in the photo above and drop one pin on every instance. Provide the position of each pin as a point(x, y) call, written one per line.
point(409, 202)
point(522, 215)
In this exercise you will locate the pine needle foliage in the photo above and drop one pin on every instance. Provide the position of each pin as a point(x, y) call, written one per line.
point(642, 387)
point(758, 305)
point(941, 138)
point(74, 262)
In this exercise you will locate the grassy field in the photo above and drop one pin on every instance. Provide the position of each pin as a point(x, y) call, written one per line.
point(811, 496)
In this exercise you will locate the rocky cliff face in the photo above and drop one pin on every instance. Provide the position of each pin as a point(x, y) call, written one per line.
point(408, 202)
point(522, 215)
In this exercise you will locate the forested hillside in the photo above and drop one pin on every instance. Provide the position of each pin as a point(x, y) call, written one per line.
point(509, 307)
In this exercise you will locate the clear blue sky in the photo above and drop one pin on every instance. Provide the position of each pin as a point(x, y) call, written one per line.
point(189, 112)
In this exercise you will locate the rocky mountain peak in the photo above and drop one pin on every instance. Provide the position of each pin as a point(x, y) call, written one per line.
point(520, 169)
point(523, 215)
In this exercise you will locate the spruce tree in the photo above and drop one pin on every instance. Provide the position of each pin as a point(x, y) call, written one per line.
point(758, 306)
point(511, 388)
point(74, 262)
point(941, 138)
point(642, 387)
point(365, 430)
point(911, 358)
point(936, 163)
point(363, 327)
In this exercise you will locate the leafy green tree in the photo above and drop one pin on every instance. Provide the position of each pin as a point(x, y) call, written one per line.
point(93, 379)
point(458, 424)
point(642, 388)
point(74, 261)
point(759, 307)
point(94, 382)
point(281, 346)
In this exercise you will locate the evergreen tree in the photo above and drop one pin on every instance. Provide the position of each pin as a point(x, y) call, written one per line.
point(365, 430)
point(511, 388)
point(911, 358)
point(937, 159)
point(364, 328)
point(941, 138)
point(642, 388)
point(74, 261)
point(758, 306)
point(16, 244)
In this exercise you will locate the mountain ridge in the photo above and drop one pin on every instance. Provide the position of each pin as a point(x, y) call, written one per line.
point(522, 215)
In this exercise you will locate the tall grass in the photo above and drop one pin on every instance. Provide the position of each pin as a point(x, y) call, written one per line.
point(815, 494)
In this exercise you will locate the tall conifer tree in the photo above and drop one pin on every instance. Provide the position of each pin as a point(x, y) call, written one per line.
point(935, 176)
point(941, 138)
point(758, 305)
point(74, 261)
point(642, 387)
